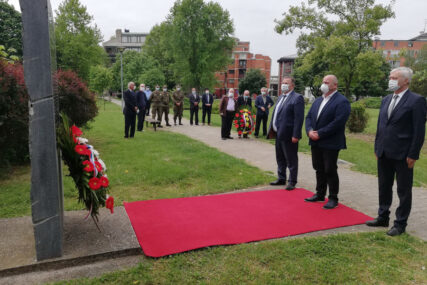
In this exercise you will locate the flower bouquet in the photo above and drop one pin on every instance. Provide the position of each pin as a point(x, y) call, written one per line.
point(86, 168)
point(244, 122)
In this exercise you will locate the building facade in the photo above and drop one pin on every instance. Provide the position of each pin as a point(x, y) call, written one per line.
point(124, 41)
point(243, 61)
point(391, 48)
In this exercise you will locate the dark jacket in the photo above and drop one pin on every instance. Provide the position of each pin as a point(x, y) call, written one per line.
point(141, 100)
point(260, 103)
point(331, 123)
point(223, 105)
point(241, 103)
point(205, 100)
point(130, 102)
point(401, 135)
point(193, 100)
point(290, 118)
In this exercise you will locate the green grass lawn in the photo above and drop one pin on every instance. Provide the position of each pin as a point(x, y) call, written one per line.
point(153, 165)
point(365, 258)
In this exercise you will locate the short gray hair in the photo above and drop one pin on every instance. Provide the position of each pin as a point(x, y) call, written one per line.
point(404, 71)
point(130, 83)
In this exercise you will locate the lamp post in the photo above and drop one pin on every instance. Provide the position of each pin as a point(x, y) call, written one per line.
point(121, 49)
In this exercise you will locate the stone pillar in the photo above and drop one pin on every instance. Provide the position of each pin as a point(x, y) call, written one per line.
point(46, 176)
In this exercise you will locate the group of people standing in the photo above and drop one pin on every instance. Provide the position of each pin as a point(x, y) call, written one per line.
point(138, 104)
point(399, 138)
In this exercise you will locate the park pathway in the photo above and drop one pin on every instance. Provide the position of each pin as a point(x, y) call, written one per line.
point(357, 190)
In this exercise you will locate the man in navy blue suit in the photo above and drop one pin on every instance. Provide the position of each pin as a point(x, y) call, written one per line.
point(129, 110)
point(285, 126)
point(141, 103)
point(325, 126)
point(398, 141)
point(263, 103)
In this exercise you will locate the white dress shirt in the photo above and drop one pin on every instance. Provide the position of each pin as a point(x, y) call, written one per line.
point(230, 105)
point(278, 107)
point(324, 101)
point(399, 96)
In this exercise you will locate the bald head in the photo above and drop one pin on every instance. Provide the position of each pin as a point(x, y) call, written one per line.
point(332, 82)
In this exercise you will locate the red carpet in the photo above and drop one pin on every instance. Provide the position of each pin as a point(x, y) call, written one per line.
point(171, 226)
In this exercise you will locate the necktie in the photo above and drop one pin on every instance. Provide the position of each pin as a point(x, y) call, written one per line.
point(392, 104)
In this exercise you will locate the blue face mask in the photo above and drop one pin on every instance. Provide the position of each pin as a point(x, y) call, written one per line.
point(246, 97)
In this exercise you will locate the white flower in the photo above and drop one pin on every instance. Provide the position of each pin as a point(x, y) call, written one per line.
point(104, 167)
point(95, 152)
point(82, 140)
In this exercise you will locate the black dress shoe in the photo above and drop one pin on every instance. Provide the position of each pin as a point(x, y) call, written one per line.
point(378, 222)
point(168, 125)
point(223, 139)
point(160, 126)
point(394, 231)
point(290, 187)
point(331, 204)
point(278, 182)
point(315, 198)
point(230, 138)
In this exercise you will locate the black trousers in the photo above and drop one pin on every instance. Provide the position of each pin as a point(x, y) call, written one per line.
point(287, 157)
point(206, 110)
point(147, 108)
point(261, 118)
point(194, 112)
point(325, 164)
point(387, 170)
point(130, 120)
point(226, 122)
point(141, 119)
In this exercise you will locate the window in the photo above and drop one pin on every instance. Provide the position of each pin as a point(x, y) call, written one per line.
point(242, 63)
point(231, 71)
point(382, 43)
point(396, 43)
point(231, 81)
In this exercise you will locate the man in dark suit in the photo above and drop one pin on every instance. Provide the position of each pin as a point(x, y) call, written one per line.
point(263, 103)
point(398, 141)
point(244, 102)
point(227, 109)
point(325, 126)
point(207, 101)
point(194, 106)
point(285, 126)
point(130, 110)
point(141, 103)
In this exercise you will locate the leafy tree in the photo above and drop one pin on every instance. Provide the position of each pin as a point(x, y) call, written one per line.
point(8, 55)
point(100, 78)
point(419, 65)
point(77, 39)
point(419, 82)
point(153, 76)
point(10, 28)
point(253, 81)
point(336, 39)
point(158, 46)
point(201, 40)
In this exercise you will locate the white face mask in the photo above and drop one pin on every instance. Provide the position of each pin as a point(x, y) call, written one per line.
point(157, 88)
point(193, 92)
point(165, 89)
point(178, 88)
point(142, 88)
point(148, 88)
point(263, 93)
point(230, 94)
point(285, 87)
point(207, 92)
point(324, 88)
point(393, 85)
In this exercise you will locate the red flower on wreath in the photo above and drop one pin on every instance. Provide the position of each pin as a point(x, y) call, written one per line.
point(94, 183)
point(98, 166)
point(236, 126)
point(237, 115)
point(82, 149)
point(104, 181)
point(241, 111)
point(109, 204)
point(254, 116)
point(242, 121)
point(88, 167)
point(240, 132)
point(76, 131)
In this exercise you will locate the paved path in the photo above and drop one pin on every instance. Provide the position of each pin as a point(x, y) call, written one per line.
point(357, 190)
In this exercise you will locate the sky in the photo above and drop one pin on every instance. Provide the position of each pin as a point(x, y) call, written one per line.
point(253, 20)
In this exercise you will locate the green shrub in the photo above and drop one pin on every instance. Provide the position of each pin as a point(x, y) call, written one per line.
point(358, 118)
point(372, 102)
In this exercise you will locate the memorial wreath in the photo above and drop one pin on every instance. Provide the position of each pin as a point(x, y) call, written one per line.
point(244, 122)
point(86, 168)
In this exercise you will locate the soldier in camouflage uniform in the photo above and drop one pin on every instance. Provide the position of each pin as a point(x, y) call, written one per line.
point(156, 105)
point(178, 104)
point(164, 105)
